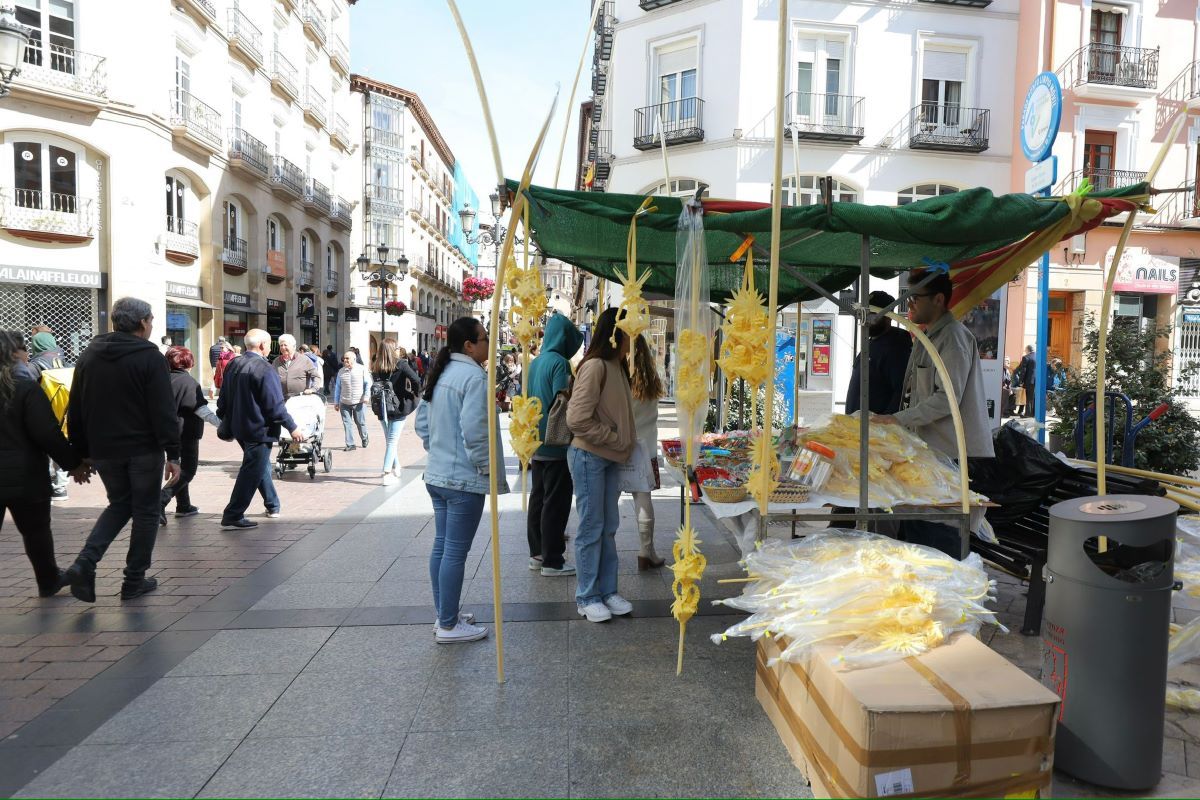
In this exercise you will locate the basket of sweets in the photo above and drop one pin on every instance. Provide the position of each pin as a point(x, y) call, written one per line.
point(724, 490)
point(672, 450)
point(787, 492)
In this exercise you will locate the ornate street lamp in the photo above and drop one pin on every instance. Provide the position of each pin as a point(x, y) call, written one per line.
point(13, 38)
point(383, 277)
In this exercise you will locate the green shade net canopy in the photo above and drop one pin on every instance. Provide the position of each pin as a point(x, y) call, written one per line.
point(590, 230)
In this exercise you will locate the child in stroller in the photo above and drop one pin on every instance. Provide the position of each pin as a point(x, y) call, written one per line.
point(308, 411)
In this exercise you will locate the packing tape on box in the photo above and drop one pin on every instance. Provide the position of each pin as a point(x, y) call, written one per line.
point(962, 718)
point(829, 774)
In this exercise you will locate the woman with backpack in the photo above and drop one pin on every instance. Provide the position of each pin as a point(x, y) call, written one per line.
point(394, 390)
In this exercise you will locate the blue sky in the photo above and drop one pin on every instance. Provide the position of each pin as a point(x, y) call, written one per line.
point(526, 50)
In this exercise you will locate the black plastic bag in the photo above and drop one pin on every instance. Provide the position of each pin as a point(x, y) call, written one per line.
point(1022, 476)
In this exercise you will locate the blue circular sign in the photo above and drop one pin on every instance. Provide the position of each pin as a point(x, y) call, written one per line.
point(1040, 116)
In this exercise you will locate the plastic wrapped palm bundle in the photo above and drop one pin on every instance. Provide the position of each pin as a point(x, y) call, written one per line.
point(886, 599)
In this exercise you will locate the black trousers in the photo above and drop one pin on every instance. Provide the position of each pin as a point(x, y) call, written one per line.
point(33, 521)
point(132, 485)
point(549, 507)
point(189, 461)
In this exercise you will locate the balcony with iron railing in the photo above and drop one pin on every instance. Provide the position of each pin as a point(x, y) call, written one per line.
point(181, 241)
point(948, 127)
point(248, 153)
point(1109, 71)
point(825, 117)
point(679, 121)
point(314, 106)
point(960, 3)
point(339, 55)
point(381, 137)
point(314, 22)
point(286, 177)
point(245, 39)
point(606, 21)
point(62, 69)
point(284, 78)
point(194, 121)
point(600, 153)
point(1178, 208)
point(233, 255)
point(202, 11)
point(316, 195)
point(1100, 179)
point(650, 5)
point(46, 216)
point(339, 212)
point(339, 134)
point(332, 282)
point(599, 79)
point(305, 274)
point(384, 201)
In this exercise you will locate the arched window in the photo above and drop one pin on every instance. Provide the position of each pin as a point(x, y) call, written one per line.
point(305, 252)
point(330, 272)
point(810, 191)
point(177, 202)
point(45, 177)
point(680, 187)
point(274, 240)
point(921, 191)
point(232, 213)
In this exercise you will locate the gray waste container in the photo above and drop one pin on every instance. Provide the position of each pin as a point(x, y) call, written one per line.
point(1104, 635)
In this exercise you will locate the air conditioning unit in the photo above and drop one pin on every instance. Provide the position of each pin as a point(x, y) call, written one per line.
point(1078, 245)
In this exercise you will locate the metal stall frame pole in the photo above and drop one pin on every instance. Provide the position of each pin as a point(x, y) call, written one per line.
point(864, 377)
point(1043, 343)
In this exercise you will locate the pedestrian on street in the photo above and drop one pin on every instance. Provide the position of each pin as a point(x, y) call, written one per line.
point(357, 355)
point(227, 355)
point(319, 363)
point(600, 415)
point(350, 391)
point(252, 402)
point(453, 425)
point(44, 354)
point(297, 374)
point(192, 411)
point(391, 368)
point(647, 389)
point(121, 416)
point(550, 494)
point(28, 432)
point(214, 352)
point(331, 367)
point(1027, 370)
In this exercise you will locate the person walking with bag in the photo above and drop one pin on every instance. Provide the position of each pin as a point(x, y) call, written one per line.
point(453, 425)
point(193, 411)
point(28, 432)
point(550, 493)
point(646, 388)
point(394, 390)
point(351, 389)
point(600, 415)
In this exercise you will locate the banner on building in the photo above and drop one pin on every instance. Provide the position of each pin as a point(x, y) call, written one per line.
point(1139, 271)
point(306, 305)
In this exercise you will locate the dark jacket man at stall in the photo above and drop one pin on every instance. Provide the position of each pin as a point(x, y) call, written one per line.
point(887, 362)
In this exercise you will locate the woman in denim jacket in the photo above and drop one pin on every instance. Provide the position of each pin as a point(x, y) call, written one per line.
point(452, 424)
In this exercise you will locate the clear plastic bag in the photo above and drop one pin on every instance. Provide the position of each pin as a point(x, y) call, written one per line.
point(1184, 644)
point(1183, 697)
point(882, 599)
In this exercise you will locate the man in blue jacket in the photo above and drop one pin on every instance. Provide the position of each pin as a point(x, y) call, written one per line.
point(550, 497)
point(251, 400)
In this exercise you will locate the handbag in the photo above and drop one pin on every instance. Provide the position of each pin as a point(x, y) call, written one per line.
point(558, 434)
point(636, 474)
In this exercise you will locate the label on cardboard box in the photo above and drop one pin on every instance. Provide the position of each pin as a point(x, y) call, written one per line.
point(897, 782)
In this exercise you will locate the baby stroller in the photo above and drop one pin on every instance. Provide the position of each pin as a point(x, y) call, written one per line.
point(308, 411)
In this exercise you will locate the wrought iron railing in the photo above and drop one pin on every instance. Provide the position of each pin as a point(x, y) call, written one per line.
point(389, 199)
point(234, 252)
point(283, 73)
point(57, 67)
point(46, 212)
point(244, 33)
point(1111, 65)
point(331, 279)
point(182, 236)
point(314, 103)
point(680, 121)
point(317, 194)
point(341, 128)
point(287, 175)
point(1100, 179)
point(206, 8)
point(249, 150)
point(339, 211)
point(306, 273)
point(606, 20)
point(339, 52)
point(314, 19)
point(1176, 209)
point(385, 138)
point(813, 115)
point(197, 117)
point(948, 126)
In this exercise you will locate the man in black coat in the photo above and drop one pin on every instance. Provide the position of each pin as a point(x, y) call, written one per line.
point(1027, 369)
point(215, 351)
point(251, 408)
point(122, 418)
point(887, 361)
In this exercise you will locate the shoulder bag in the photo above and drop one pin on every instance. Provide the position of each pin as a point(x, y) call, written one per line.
point(557, 432)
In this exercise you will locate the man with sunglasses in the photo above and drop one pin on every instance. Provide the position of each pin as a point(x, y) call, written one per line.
point(927, 409)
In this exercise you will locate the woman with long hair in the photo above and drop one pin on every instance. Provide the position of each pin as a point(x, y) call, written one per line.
point(193, 411)
point(647, 389)
point(28, 432)
point(391, 366)
point(600, 416)
point(452, 422)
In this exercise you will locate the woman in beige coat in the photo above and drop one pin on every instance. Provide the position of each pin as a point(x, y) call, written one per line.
point(600, 416)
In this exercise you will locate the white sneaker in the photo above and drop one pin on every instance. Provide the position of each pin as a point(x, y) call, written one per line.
point(535, 562)
point(463, 616)
point(618, 605)
point(462, 632)
point(274, 514)
point(595, 612)
point(389, 479)
point(552, 572)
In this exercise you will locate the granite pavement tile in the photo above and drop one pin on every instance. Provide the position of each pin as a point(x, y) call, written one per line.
point(318, 766)
point(503, 763)
point(254, 651)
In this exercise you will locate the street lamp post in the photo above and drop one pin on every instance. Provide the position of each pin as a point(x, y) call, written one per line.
point(382, 276)
point(13, 38)
point(488, 237)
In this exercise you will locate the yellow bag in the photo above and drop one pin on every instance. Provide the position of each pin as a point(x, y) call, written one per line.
point(56, 383)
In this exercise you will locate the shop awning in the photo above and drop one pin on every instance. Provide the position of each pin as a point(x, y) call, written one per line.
point(245, 310)
point(187, 301)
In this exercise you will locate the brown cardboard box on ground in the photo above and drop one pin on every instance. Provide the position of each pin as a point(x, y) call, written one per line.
point(959, 721)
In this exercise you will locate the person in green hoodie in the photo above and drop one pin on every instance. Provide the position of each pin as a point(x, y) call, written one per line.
point(550, 496)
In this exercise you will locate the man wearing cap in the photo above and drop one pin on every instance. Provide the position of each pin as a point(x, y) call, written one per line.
point(887, 362)
point(927, 412)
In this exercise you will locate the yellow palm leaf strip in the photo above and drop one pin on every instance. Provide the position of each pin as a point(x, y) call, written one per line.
point(633, 315)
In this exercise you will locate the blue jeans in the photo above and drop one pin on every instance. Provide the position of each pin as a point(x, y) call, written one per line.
point(359, 417)
point(132, 487)
point(391, 432)
point(597, 494)
point(254, 475)
point(456, 517)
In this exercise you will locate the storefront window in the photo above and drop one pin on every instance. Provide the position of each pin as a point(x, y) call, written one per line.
point(182, 324)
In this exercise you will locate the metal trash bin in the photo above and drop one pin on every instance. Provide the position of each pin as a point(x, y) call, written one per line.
point(1104, 635)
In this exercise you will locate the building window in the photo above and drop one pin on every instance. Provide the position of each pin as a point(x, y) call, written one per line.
point(237, 112)
point(821, 69)
point(232, 218)
point(177, 191)
point(304, 251)
point(1099, 158)
point(272, 234)
point(1107, 24)
point(45, 177)
point(53, 23)
point(922, 191)
point(810, 191)
point(943, 78)
point(677, 81)
point(683, 187)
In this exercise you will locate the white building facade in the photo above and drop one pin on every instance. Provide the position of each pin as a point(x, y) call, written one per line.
point(237, 109)
point(893, 101)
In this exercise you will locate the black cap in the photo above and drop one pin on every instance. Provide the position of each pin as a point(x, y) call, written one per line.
point(881, 299)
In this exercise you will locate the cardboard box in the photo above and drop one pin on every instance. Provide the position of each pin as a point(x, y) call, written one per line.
point(959, 721)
